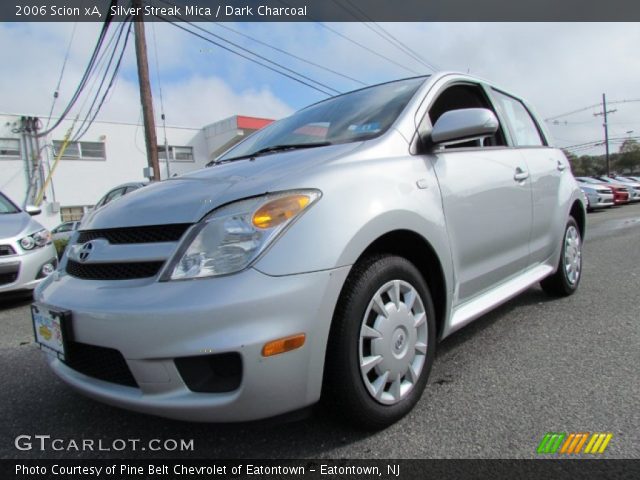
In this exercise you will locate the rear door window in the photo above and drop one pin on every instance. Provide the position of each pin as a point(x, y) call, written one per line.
point(524, 129)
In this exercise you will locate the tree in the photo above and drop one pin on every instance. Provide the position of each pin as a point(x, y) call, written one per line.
point(629, 157)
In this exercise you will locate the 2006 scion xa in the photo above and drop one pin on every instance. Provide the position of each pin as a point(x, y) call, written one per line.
point(322, 257)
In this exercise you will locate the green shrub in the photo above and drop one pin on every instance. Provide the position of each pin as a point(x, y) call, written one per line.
point(60, 245)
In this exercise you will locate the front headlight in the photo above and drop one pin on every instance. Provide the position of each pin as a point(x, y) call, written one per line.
point(232, 237)
point(38, 239)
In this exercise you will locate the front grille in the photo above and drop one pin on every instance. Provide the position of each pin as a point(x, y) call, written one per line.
point(149, 234)
point(102, 363)
point(113, 271)
point(7, 278)
point(6, 250)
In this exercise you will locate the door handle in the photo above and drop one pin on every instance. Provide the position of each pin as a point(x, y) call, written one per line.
point(520, 175)
point(561, 166)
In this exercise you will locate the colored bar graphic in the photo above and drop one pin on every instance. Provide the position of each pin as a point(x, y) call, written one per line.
point(551, 442)
point(598, 443)
point(572, 443)
point(581, 443)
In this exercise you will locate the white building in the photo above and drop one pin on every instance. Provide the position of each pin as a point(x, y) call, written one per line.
point(110, 153)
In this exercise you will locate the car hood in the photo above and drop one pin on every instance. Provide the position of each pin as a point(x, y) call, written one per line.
point(16, 224)
point(188, 198)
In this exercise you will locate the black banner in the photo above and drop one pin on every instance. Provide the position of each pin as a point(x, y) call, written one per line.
point(321, 10)
point(320, 469)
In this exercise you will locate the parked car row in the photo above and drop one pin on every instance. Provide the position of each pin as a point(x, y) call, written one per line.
point(604, 192)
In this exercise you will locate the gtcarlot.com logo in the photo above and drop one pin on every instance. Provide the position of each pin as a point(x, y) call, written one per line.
point(47, 442)
point(574, 443)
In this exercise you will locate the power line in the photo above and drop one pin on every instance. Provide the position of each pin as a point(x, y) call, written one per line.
point(178, 25)
point(114, 74)
point(284, 52)
point(378, 54)
point(277, 49)
point(85, 77)
point(600, 142)
point(250, 52)
point(56, 92)
point(383, 33)
point(92, 112)
point(364, 47)
point(615, 102)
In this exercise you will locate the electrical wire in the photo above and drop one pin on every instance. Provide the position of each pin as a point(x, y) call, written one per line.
point(86, 75)
point(378, 54)
point(612, 102)
point(277, 49)
point(250, 52)
point(284, 52)
point(92, 112)
point(360, 14)
point(364, 47)
point(114, 75)
point(56, 92)
point(178, 25)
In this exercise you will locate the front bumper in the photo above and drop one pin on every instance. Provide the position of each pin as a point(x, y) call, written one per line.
point(152, 323)
point(23, 271)
point(602, 201)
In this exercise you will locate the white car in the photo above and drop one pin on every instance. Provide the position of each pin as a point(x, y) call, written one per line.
point(27, 254)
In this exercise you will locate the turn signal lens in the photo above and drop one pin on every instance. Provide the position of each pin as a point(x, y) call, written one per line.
point(283, 345)
point(280, 210)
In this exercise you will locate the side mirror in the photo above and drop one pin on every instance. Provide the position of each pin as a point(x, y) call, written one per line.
point(462, 125)
point(32, 210)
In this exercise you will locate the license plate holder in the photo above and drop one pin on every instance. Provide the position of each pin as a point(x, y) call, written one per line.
point(51, 328)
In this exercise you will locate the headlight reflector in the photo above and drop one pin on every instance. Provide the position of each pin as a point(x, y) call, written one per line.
point(233, 236)
point(37, 239)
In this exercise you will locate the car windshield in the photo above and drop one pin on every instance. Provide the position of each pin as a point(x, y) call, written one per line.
point(589, 180)
point(354, 116)
point(7, 206)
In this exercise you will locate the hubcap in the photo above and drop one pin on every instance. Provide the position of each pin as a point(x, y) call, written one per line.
point(572, 255)
point(393, 342)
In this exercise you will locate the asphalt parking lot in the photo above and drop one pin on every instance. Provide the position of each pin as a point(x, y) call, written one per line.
point(533, 366)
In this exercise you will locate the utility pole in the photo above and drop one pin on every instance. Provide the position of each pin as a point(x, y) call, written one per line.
point(604, 113)
point(150, 138)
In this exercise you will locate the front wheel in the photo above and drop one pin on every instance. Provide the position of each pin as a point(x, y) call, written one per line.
point(382, 342)
point(567, 277)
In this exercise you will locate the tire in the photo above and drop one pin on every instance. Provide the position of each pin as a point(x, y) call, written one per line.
point(566, 279)
point(406, 343)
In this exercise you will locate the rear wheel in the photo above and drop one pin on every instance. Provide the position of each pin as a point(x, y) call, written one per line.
point(567, 277)
point(382, 343)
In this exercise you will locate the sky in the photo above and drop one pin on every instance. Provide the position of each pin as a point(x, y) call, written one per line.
point(557, 67)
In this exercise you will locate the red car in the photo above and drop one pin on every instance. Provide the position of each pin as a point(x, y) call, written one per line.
point(620, 193)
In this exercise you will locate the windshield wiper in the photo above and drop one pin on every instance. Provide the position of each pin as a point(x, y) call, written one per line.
point(275, 148)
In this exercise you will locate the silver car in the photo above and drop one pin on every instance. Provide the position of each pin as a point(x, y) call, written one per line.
point(322, 257)
point(598, 196)
point(27, 254)
point(64, 230)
